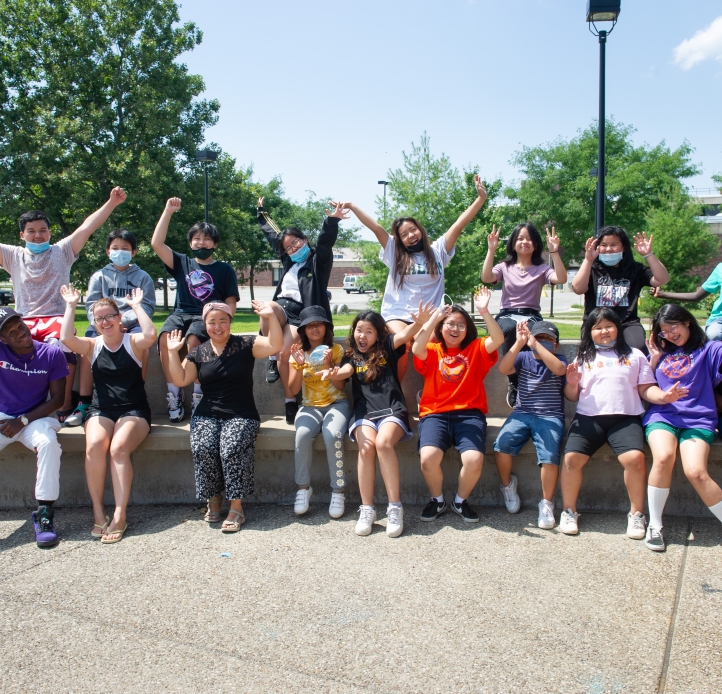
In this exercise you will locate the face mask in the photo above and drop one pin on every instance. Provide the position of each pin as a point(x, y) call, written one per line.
point(301, 254)
point(611, 258)
point(547, 345)
point(610, 345)
point(415, 248)
point(121, 258)
point(203, 253)
point(37, 247)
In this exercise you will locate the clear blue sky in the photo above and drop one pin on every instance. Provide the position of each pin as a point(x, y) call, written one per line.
point(327, 93)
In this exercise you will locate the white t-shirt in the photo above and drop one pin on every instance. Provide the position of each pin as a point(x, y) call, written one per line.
point(418, 285)
point(289, 284)
point(608, 387)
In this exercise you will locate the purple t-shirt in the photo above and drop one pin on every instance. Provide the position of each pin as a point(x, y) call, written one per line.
point(25, 378)
point(522, 288)
point(700, 372)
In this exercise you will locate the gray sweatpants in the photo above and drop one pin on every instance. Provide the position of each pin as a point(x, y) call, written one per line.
point(332, 422)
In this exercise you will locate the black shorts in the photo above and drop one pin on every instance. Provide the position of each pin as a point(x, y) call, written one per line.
point(187, 323)
point(622, 432)
point(116, 413)
point(292, 309)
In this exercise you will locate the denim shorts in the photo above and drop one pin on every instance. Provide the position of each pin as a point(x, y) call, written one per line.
point(463, 429)
point(376, 425)
point(546, 434)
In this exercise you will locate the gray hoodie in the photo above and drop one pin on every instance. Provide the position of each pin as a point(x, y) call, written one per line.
point(116, 284)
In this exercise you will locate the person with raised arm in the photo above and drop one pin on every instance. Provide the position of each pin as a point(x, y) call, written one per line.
point(225, 424)
point(523, 274)
point(119, 414)
point(304, 283)
point(416, 264)
point(610, 276)
point(453, 407)
point(200, 280)
point(39, 269)
point(380, 418)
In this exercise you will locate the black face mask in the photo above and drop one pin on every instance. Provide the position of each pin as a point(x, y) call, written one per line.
point(415, 248)
point(203, 253)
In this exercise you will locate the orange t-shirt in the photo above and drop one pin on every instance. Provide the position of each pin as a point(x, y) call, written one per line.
point(454, 381)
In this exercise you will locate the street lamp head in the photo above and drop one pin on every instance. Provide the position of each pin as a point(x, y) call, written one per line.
point(603, 10)
point(383, 183)
point(206, 155)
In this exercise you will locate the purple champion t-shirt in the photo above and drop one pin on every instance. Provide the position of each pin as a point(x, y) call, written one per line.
point(25, 378)
point(522, 288)
point(700, 372)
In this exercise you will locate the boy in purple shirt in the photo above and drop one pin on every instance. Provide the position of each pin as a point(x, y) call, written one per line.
point(29, 372)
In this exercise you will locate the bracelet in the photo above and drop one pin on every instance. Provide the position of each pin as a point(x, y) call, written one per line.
point(552, 252)
point(481, 313)
point(297, 366)
point(648, 254)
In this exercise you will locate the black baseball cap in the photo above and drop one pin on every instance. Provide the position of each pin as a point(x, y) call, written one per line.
point(6, 314)
point(544, 327)
point(313, 314)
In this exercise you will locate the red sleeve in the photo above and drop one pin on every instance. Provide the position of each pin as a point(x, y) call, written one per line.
point(486, 358)
point(426, 366)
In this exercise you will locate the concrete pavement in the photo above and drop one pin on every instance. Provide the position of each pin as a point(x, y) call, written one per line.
point(306, 606)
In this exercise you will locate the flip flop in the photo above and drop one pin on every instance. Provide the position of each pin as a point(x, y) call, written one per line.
point(233, 526)
point(102, 528)
point(120, 532)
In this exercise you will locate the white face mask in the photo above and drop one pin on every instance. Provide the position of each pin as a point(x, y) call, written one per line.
point(611, 258)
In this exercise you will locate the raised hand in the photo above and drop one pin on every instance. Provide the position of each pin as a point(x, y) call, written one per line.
point(482, 298)
point(135, 298)
point(175, 340)
point(574, 375)
point(493, 239)
point(676, 392)
point(590, 250)
point(480, 187)
point(173, 205)
point(260, 201)
point(643, 243)
point(522, 332)
point(328, 359)
point(299, 356)
point(553, 241)
point(654, 351)
point(117, 196)
point(425, 312)
point(70, 294)
point(262, 308)
point(339, 211)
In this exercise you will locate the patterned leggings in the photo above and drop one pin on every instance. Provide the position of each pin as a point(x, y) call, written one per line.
point(223, 451)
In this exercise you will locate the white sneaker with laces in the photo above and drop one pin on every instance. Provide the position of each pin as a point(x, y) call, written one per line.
point(303, 497)
point(511, 498)
point(636, 526)
point(337, 505)
point(366, 520)
point(568, 522)
point(546, 515)
point(176, 412)
point(394, 521)
point(197, 397)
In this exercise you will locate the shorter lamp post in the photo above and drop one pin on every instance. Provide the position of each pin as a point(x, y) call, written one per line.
point(384, 184)
point(205, 156)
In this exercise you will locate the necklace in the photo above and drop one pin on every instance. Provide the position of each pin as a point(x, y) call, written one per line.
point(522, 269)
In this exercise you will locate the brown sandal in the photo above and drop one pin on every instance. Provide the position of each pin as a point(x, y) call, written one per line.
point(213, 516)
point(233, 526)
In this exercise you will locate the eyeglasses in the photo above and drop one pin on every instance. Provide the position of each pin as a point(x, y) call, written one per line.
point(106, 318)
point(673, 330)
point(460, 327)
point(294, 246)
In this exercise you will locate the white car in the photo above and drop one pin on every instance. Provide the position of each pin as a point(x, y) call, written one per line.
point(356, 283)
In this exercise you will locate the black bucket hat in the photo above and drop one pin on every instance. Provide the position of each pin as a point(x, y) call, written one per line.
point(313, 314)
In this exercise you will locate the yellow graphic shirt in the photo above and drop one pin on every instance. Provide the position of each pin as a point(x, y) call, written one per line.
point(315, 392)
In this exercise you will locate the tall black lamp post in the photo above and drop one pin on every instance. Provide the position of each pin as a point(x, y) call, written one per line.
point(206, 156)
point(384, 184)
point(601, 11)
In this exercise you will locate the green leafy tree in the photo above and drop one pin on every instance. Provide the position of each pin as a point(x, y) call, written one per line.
point(717, 178)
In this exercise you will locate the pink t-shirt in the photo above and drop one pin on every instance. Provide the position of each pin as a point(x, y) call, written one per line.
point(522, 288)
point(611, 387)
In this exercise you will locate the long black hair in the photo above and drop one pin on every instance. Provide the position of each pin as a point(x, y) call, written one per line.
point(587, 350)
point(403, 261)
point(471, 332)
point(536, 239)
point(375, 352)
point(627, 261)
point(674, 313)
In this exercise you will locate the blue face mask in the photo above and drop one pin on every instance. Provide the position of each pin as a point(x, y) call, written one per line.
point(37, 247)
point(300, 255)
point(547, 345)
point(121, 258)
point(611, 258)
point(609, 345)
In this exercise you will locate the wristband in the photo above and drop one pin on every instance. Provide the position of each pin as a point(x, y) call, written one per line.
point(297, 366)
point(481, 313)
point(648, 254)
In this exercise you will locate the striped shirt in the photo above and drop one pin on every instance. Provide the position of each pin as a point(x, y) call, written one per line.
point(540, 392)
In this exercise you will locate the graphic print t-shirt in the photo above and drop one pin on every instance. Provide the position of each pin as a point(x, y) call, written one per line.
point(315, 392)
point(383, 396)
point(540, 391)
point(700, 372)
point(453, 379)
point(617, 289)
point(25, 378)
point(200, 284)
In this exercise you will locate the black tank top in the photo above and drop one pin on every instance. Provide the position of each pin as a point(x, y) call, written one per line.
point(117, 377)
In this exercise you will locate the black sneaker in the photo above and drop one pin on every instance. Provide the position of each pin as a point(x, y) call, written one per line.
point(511, 395)
point(433, 510)
point(272, 374)
point(655, 539)
point(465, 511)
point(291, 411)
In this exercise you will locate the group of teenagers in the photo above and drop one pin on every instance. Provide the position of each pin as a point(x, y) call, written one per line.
point(626, 387)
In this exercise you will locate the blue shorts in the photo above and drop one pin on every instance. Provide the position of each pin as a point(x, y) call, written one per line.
point(546, 434)
point(92, 332)
point(463, 429)
point(376, 425)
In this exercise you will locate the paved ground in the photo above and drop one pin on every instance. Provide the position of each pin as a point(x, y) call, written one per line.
point(306, 606)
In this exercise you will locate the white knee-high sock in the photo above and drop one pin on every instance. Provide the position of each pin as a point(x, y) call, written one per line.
point(656, 498)
point(173, 389)
point(717, 510)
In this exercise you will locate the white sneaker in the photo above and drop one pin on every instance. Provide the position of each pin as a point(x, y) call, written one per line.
point(176, 412)
point(303, 496)
point(337, 506)
point(546, 515)
point(636, 526)
point(366, 520)
point(568, 522)
point(394, 521)
point(511, 498)
point(197, 397)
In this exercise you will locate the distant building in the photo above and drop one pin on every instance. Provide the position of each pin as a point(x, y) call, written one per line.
point(712, 212)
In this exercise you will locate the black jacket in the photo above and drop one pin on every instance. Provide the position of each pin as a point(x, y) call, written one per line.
point(314, 274)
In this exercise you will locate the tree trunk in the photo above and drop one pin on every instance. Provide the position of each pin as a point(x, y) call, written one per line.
point(250, 281)
point(165, 293)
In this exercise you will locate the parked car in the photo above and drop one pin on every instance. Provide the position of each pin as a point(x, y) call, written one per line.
point(6, 297)
point(172, 284)
point(357, 283)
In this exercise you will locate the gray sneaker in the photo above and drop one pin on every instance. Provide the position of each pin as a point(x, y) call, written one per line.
point(655, 539)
